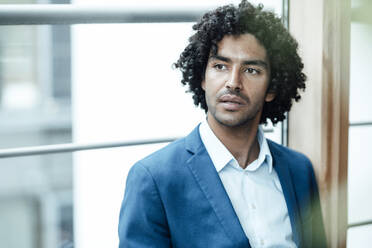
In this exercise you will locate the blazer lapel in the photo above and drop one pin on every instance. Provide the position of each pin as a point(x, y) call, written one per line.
point(281, 167)
point(207, 177)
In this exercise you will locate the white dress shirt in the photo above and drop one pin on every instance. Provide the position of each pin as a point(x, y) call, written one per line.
point(255, 192)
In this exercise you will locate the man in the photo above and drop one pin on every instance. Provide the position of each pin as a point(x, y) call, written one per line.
point(225, 185)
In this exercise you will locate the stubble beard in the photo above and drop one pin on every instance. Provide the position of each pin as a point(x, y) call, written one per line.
point(230, 120)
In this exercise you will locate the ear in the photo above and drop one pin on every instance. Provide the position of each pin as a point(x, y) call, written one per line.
point(203, 85)
point(269, 97)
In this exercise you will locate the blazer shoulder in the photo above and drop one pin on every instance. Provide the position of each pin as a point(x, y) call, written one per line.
point(166, 152)
point(294, 159)
point(165, 160)
point(175, 154)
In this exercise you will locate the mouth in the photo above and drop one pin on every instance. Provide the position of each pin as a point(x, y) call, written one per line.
point(231, 99)
point(231, 102)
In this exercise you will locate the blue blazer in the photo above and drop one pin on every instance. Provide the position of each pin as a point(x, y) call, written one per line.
point(175, 198)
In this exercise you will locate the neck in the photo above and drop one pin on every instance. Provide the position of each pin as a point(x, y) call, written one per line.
point(241, 141)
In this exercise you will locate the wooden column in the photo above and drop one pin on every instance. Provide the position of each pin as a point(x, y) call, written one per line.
point(318, 124)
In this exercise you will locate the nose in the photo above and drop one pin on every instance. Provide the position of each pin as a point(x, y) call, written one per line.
point(233, 82)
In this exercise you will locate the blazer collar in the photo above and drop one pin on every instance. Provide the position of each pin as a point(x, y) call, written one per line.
point(210, 183)
point(280, 164)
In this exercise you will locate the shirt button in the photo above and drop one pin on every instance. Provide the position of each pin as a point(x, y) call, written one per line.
point(253, 206)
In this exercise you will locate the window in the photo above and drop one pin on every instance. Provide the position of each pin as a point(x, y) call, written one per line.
point(360, 128)
point(91, 84)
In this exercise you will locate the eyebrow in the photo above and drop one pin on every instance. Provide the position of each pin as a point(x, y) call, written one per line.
point(245, 62)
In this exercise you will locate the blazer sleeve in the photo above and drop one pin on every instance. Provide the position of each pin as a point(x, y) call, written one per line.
point(142, 221)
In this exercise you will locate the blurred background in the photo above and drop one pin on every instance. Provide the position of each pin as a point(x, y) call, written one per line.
point(91, 83)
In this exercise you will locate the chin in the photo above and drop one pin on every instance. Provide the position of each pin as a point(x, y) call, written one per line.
point(231, 120)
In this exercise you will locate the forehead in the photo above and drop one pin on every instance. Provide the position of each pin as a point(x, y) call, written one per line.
point(241, 47)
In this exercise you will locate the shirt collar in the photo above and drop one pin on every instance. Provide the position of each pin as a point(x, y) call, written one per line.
point(265, 154)
point(217, 151)
point(220, 156)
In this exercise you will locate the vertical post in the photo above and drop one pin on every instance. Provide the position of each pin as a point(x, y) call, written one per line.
point(318, 124)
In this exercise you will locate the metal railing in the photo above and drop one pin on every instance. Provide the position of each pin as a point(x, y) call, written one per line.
point(361, 223)
point(37, 14)
point(360, 124)
point(61, 148)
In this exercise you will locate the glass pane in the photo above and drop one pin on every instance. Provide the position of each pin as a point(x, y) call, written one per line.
point(35, 85)
point(124, 85)
point(19, 222)
point(36, 201)
point(99, 183)
point(359, 236)
point(359, 174)
point(360, 66)
point(43, 205)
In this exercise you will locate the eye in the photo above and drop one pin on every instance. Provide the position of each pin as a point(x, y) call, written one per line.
point(220, 67)
point(252, 71)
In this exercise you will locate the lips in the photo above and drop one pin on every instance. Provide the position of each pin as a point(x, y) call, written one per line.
point(228, 98)
point(231, 102)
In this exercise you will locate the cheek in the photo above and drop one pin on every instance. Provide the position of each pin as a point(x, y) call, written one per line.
point(258, 92)
point(209, 86)
point(214, 78)
point(208, 93)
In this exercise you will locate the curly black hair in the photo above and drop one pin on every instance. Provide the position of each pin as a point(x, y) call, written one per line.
point(286, 66)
